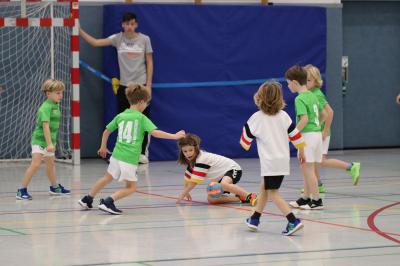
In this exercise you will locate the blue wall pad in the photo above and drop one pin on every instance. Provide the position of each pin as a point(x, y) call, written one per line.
point(218, 46)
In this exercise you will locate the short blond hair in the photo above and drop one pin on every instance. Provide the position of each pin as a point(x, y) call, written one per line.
point(51, 85)
point(314, 74)
point(269, 98)
point(136, 93)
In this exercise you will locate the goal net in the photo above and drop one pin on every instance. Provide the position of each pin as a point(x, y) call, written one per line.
point(31, 51)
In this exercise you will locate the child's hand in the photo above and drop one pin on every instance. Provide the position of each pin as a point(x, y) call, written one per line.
point(103, 152)
point(188, 197)
point(50, 148)
point(325, 133)
point(301, 156)
point(180, 134)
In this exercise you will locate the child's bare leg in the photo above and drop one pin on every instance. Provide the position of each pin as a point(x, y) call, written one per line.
point(311, 183)
point(335, 163)
point(122, 193)
point(223, 199)
point(32, 169)
point(279, 201)
point(50, 170)
point(227, 185)
point(100, 184)
point(317, 171)
point(262, 198)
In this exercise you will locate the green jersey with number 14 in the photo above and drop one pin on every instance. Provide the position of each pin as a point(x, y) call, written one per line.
point(131, 125)
point(306, 103)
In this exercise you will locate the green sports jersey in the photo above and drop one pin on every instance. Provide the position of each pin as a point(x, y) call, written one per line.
point(321, 100)
point(306, 103)
point(131, 125)
point(49, 112)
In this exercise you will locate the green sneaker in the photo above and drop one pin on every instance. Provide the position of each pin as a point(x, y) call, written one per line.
point(322, 188)
point(355, 172)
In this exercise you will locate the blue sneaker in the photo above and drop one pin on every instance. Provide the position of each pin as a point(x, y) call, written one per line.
point(291, 228)
point(22, 194)
point(59, 190)
point(252, 224)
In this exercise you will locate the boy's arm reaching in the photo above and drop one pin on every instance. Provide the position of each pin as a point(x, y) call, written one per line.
point(328, 120)
point(165, 135)
point(93, 41)
point(302, 122)
point(103, 151)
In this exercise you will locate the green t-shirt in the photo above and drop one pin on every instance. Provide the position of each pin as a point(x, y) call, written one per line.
point(131, 125)
point(49, 112)
point(321, 100)
point(306, 103)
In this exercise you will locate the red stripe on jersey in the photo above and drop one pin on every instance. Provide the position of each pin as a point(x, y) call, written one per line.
point(1, 22)
point(244, 140)
point(21, 22)
point(295, 137)
point(187, 175)
point(46, 22)
point(202, 174)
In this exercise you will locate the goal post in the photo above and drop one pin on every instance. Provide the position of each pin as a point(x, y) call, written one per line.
point(38, 40)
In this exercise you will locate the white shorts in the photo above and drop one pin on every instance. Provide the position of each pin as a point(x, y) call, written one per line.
point(41, 150)
point(122, 171)
point(313, 148)
point(325, 145)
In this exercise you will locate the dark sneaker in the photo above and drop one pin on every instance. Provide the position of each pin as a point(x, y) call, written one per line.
point(86, 202)
point(59, 190)
point(291, 228)
point(313, 205)
point(299, 202)
point(252, 223)
point(108, 206)
point(22, 194)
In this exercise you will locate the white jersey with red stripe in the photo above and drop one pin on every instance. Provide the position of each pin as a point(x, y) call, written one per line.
point(209, 166)
point(271, 133)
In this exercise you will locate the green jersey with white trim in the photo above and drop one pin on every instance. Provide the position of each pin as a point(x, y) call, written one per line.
point(131, 125)
point(49, 112)
point(306, 103)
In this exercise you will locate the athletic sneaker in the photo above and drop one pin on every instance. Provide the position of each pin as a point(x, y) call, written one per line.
point(291, 228)
point(313, 205)
point(59, 190)
point(22, 194)
point(86, 202)
point(355, 172)
point(251, 198)
point(299, 202)
point(321, 188)
point(108, 206)
point(252, 223)
point(143, 159)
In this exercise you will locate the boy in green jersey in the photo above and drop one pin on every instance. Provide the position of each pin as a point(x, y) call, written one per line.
point(308, 123)
point(44, 139)
point(314, 83)
point(131, 125)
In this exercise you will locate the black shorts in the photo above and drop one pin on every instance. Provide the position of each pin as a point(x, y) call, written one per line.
point(234, 174)
point(273, 182)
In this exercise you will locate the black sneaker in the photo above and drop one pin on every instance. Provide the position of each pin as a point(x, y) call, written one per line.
point(313, 205)
point(108, 206)
point(299, 202)
point(86, 202)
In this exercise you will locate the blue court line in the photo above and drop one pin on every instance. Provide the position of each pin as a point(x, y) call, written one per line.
point(186, 84)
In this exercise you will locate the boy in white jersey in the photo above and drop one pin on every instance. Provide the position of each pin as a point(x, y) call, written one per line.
point(314, 84)
point(271, 127)
point(135, 60)
point(308, 122)
point(202, 166)
point(131, 125)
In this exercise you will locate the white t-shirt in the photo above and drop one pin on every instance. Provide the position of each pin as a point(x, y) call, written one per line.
point(209, 166)
point(272, 133)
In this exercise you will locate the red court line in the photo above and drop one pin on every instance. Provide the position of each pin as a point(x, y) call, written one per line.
point(371, 223)
point(280, 215)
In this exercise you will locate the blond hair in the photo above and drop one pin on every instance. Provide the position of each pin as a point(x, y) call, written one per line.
point(314, 74)
point(136, 93)
point(51, 85)
point(269, 98)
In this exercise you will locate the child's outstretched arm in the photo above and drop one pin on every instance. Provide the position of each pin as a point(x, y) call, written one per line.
point(93, 41)
point(103, 151)
point(302, 122)
point(47, 136)
point(186, 191)
point(165, 135)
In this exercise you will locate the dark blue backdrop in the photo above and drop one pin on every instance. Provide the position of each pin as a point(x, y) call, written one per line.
point(201, 43)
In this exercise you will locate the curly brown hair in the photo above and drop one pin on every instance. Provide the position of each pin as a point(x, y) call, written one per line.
point(269, 98)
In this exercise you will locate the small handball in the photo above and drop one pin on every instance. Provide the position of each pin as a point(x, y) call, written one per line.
point(214, 190)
